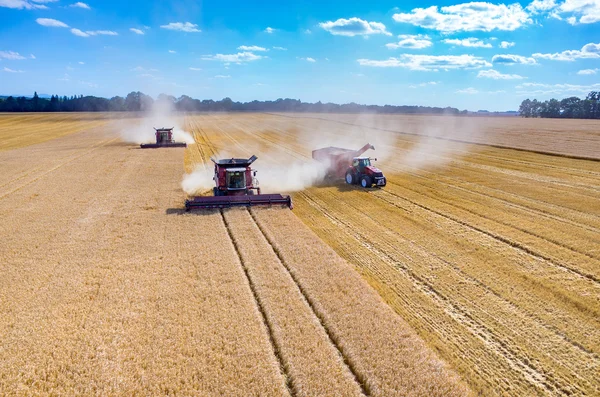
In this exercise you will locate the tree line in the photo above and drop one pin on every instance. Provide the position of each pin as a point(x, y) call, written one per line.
point(568, 108)
point(138, 101)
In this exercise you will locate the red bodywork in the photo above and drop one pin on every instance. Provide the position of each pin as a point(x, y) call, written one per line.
point(236, 186)
point(164, 138)
point(341, 162)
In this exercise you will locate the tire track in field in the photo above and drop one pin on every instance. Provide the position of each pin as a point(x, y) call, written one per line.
point(499, 221)
point(564, 155)
point(533, 315)
point(503, 239)
point(495, 236)
point(466, 163)
point(361, 379)
point(456, 182)
point(103, 143)
point(283, 368)
point(462, 317)
point(26, 173)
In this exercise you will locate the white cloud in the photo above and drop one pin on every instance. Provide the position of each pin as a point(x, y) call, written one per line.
point(588, 51)
point(415, 42)
point(507, 44)
point(270, 30)
point(79, 4)
point(52, 23)
point(235, 58)
point(195, 69)
point(101, 33)
point(427, 84)
point(494, 74)
point(470, 91)
point(182, 27)
point(578, 11)
point(469, 42)
point(11, 55)
point(511, 59)
point(137, 31)
point(81, 63)
point(429, 62)
point(251, 48)
point(354, 27)
point(141, 69)
point(220, 76)
point(280, 48)
point(587, 72)
point(307, 31)
point(172, 52)
point(537, 6)
point(89, 33)
point(7, 70)
point(79, 33)
point(309, 59)
point(89, 84)
point(22, 5)
point(467, 17)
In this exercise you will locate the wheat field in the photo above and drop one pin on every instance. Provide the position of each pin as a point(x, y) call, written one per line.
point(108, 287)
point(492, 255)
point(475, 271)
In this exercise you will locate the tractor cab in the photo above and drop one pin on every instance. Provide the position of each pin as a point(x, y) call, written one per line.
point(361, 163)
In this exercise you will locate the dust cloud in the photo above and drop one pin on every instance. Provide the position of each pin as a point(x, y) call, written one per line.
point(290, 168)
point(162, 115)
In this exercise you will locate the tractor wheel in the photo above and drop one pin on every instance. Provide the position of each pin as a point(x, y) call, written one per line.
point(350, 178)
point(366, 181)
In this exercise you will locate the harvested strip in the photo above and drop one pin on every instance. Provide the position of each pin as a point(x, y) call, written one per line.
point(385, 353)
point(314, 364)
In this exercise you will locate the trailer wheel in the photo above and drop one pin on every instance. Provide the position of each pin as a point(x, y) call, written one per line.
point(350, 178)
point(365, 181)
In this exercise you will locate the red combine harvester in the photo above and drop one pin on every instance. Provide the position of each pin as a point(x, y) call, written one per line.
point(235, 187)
point(164, 138)
point(348, 164)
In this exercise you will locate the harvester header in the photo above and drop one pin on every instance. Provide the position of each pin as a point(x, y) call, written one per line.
point(236, 185)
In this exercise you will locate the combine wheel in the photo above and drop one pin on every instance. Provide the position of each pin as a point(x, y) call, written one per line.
point(350, 178)
point(366, 181)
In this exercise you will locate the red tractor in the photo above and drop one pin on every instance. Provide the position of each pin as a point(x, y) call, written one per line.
point(164, 138)
point(348, 164)
point(236, 185)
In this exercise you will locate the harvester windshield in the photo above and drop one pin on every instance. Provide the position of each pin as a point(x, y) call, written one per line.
point(236, 178)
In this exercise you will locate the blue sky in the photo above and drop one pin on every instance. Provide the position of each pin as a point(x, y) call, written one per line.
point(483, 55)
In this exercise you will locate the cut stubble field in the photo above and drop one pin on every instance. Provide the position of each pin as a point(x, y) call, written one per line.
point(108, 287)
point(485, 257)
point(492, 255)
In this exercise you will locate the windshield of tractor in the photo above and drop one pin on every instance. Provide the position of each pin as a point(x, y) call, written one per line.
point(362, 163)
point(236, 179)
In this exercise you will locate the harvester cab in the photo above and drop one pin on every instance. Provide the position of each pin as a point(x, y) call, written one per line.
point(235, 177)
point(351, 165)
point(164, 138)
point(236, 185)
